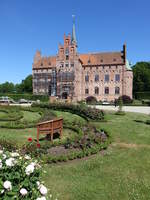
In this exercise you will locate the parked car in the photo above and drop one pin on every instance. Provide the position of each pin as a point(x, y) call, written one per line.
point(22, 101)
point(105, 103)
point(6, 100)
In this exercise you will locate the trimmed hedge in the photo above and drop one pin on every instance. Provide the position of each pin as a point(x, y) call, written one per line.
point(81, 110)
point(142, 95)
point(31, 97)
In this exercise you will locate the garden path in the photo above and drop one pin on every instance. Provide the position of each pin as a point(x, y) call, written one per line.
point(137, 109)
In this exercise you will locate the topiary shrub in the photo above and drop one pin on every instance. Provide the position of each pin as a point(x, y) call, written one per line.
point(125, 99)
point(91, 100)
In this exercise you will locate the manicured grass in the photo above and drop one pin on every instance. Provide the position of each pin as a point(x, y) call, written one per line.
point(122, 173)
point(20, 136)
point(68, 117)
point(30, 116)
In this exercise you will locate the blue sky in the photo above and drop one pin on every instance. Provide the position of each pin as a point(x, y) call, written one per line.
point(101, 25)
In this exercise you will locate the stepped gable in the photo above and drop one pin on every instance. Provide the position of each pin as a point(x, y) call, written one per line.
point(45, 63)
point(102, 58)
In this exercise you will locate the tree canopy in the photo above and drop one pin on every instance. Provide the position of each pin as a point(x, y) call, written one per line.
point(141, 77)
point(24, 87)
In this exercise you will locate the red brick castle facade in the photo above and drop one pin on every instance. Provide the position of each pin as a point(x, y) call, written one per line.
point(70, 74)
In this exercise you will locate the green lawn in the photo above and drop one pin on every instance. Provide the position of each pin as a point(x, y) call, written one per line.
point(122, 173)
point(20, 136)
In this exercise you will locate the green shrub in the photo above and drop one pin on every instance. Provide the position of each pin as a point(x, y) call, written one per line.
point(81, 110)
point(91, 100)
point(125, 99)
point(148, 122)
point(20, 177)
point(32, 97)
point(142, 95)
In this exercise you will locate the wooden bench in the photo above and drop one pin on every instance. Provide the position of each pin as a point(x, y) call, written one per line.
point(50, 127)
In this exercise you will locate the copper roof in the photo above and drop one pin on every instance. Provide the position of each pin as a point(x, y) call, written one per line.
point(102, 58)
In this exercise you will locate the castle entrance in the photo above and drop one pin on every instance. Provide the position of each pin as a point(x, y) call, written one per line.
point(64, 95)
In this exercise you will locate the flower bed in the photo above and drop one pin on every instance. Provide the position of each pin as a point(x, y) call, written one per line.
point(88, 141)
point(20, 177)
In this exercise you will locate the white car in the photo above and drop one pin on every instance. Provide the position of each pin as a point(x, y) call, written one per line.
point(105, 103)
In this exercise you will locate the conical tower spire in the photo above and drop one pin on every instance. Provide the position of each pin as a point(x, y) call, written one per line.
point(73, 39)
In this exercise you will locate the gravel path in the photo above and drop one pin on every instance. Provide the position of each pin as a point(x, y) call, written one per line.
point(137, 109)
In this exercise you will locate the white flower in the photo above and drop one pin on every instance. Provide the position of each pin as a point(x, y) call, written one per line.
point(0, 160)
point(27, 157)
point(4, 156)
point(41, 198)
point(23, 191)
point(1, 165)
point(38, 183)
point(33, 163)
point(2, 191)
point(50, 195)
point(7, 185)
point(43, 189)
point(29, 169)
point(14, 154)
point(1, 151)
point(10, 162)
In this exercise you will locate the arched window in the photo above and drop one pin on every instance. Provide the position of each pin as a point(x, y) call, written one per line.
point(96, 90)
point(96, 77)
point(106, 90)
point(117, 90)
point(86, 78)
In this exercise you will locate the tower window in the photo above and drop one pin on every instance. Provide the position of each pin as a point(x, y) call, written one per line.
point(67, 57)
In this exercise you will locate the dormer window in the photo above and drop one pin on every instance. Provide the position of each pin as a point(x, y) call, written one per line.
point(114, 59)
point(89, 61)
point(101, 60)
point(41, 64)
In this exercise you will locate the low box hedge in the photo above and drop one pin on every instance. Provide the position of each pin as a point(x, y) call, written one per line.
point(81, 110)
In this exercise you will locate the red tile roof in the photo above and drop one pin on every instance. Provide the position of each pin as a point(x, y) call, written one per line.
point(102, 58)
point(45, 62)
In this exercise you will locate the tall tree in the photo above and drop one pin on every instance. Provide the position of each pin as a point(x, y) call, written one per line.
point(26, 85)
point(141, 77)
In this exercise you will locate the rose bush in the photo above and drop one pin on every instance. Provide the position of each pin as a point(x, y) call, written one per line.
point(20, 177)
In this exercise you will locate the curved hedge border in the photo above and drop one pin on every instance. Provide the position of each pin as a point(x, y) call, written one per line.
point(81, 110)
point(15, 123)
point(12, 115)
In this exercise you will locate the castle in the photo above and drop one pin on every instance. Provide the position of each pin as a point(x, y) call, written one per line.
point(75, 76)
